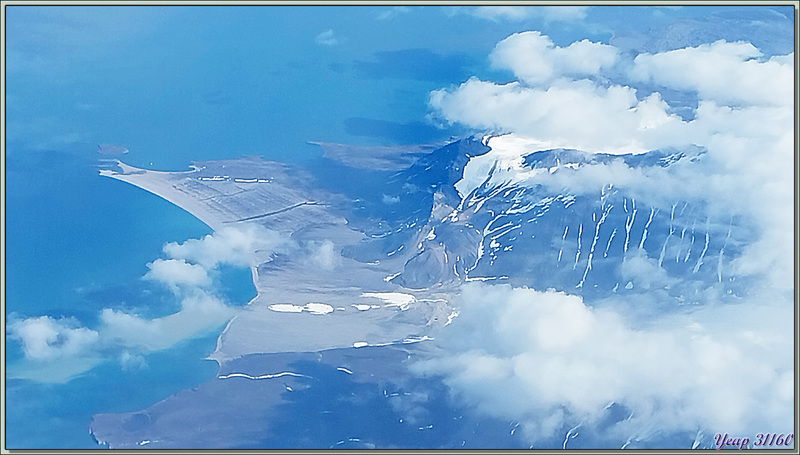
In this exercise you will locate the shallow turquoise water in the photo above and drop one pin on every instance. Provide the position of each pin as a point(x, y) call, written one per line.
point(80, 243)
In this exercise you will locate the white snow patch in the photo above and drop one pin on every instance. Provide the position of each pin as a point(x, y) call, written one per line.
point(480, 278)
point(286, 308)
point(506, 153)
point(318, 308)
point(410, 340)
point(263, 376)
point(450, 318)
point(313, 308)
point(398, 299)
point(431, 235)
point(391, 277)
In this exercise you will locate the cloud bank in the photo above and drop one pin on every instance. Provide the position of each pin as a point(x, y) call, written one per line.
point(550, 361)
point(744, 119)
point(725, 73)
point(563, 95)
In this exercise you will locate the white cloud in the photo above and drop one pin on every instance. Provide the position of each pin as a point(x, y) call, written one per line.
point(55, 350)
point(199, 313)
point(644, 272)
point(45, 338)
point(535, 60)
point(229, 245)
point(177, 273)
point(548, 361)
point(570, 114)
point(188, 271)
point(726, 73)
point(324, 255)
point(59, 350)
point(327, 38)
point(548, 104)
point(744, 119)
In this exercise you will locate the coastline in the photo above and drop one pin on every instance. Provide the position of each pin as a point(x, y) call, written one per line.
point(157, 183)
point(254, 191)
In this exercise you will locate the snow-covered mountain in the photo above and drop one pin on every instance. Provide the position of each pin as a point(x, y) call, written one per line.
point(528, 217)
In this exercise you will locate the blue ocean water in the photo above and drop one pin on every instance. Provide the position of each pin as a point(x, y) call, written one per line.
point(79, 243)
point(82, 243)
point(56, 416)
point(177, 84)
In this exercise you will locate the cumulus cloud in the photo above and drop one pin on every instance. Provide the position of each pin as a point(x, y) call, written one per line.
point(569, 114)
point(547, 360)
point(55, 350)
point(231, 245)
point(551, 100)
point(726, 73)
point(45, 338)
point(534, 58)
point(189, 274)
point(199, 313)
point(177, 272)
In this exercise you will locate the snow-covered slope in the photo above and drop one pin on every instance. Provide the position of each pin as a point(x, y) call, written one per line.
point(555, 218)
